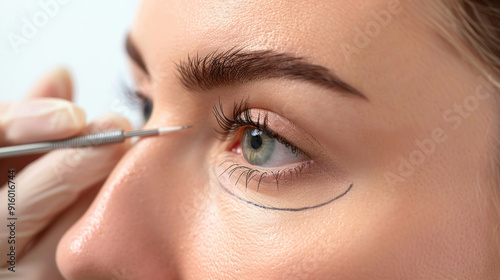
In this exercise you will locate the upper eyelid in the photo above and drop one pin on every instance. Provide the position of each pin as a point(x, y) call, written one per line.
point(228, 124)
point(141, 79)
point(231, 126)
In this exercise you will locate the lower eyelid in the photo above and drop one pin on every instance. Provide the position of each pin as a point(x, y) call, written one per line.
point(311, 188)
point(259, 179)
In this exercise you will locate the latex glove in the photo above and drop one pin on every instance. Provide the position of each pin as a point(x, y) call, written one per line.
point(53, 190)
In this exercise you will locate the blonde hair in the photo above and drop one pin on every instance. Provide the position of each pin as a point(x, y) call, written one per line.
point(479, 27)
point(476, 23)
point(472, 29)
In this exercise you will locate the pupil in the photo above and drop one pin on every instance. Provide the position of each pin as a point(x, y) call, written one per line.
point(256, 142)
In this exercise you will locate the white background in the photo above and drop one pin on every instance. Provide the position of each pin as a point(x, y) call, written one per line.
point(86, 36)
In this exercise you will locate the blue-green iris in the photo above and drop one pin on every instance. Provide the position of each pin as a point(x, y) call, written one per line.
point(257, 146)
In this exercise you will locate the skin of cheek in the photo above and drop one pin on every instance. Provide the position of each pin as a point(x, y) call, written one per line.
point(453, 180)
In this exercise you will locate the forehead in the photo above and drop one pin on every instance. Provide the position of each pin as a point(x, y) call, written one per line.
point(309, 28)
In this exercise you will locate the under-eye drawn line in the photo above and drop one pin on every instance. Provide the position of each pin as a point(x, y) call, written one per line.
point(288, 209)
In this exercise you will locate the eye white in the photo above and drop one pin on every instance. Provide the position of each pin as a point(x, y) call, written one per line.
point(281, 156)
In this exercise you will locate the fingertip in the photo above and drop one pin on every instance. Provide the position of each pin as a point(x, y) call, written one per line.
point(42, 119)
point(56, 83)
point(64, 82)
point(79, 117)
point(109, 121)
point(73, 120)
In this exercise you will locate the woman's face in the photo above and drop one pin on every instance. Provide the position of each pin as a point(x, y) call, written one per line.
point(353, 144)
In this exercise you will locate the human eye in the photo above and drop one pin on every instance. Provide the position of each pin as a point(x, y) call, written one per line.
point(263, 168)
point(137, 102)
point(254, 140)
point(260, 148)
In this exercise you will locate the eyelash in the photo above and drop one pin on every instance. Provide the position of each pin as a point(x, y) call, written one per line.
point(132, 96)
point(241, 118)
point(250, 171)
point(229, 128)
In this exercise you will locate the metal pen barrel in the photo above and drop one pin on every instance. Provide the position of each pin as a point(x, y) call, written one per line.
point(95, 139)
point(106, 137)
point(26, 149)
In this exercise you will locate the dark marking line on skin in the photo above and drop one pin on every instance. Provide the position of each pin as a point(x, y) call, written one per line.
point(288, 209)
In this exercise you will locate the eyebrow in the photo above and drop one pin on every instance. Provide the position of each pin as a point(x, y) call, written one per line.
point(238, 66)
point(134, 54)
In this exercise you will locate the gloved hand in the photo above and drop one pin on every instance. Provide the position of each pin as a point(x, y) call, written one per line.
point(53, 190)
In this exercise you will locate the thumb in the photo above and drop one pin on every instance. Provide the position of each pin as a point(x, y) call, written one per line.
point(51, 184)
point(56, 83)
point(38, 120)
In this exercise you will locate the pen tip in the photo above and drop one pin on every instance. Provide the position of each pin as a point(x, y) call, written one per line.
point(162, 130)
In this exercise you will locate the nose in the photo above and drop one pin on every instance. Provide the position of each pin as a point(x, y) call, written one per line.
point(125, 233)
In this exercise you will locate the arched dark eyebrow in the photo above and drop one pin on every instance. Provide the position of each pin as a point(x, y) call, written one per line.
point(238, 66)
point(134, 54)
